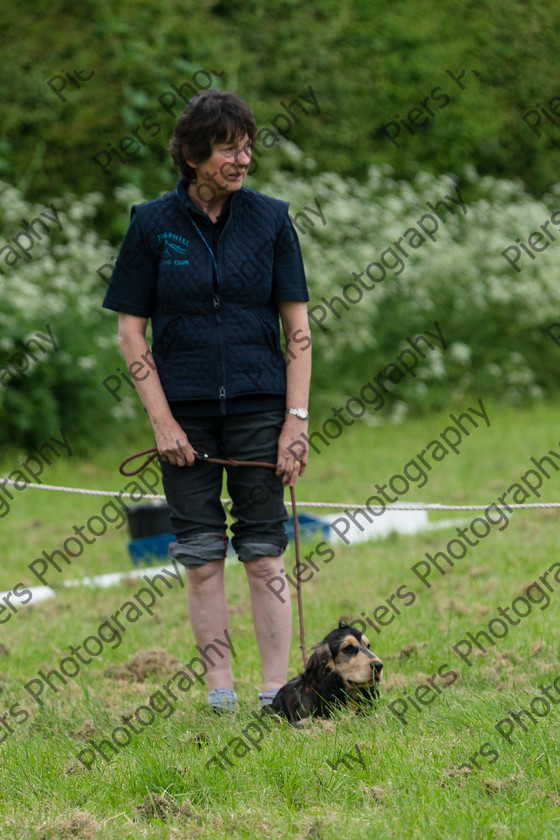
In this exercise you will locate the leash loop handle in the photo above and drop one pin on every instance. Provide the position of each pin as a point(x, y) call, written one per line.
point(152, 453)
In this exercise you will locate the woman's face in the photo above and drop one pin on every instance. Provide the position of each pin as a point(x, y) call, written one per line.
point(224, 171)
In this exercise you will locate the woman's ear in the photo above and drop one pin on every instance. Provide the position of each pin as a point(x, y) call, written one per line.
point(187, 156)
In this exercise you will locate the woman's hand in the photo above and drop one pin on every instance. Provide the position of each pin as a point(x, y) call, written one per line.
point(173, 445)
point(291, 460)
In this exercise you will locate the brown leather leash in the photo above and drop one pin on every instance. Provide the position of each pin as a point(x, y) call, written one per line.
point(152, 454)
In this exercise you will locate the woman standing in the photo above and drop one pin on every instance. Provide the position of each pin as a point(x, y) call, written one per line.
point(217, 267)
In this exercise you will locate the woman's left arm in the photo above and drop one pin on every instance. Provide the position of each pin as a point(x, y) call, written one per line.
point(292, 443)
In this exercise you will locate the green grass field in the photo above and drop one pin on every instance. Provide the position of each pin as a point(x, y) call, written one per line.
point(399, 773)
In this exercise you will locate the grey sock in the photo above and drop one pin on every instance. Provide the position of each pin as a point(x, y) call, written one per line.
point(266, 697)
point(223, 699)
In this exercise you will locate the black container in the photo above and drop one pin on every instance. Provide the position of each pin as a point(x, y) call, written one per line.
point(149, 521)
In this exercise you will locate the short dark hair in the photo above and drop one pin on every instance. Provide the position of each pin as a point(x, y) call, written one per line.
point(214, 116)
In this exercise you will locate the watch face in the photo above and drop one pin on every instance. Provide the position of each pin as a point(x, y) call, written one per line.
point(302, 413)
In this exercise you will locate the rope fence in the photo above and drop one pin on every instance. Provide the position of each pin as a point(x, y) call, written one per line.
point(324, 505)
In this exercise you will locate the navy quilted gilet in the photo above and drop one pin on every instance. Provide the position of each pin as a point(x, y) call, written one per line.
point(215, 326)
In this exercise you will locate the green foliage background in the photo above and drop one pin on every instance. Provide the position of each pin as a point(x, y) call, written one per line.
point(477, 68)
point(366, 62)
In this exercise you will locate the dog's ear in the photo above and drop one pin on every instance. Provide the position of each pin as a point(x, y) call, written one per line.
point(321, 660)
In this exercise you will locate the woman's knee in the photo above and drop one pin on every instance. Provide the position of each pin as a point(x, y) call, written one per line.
point(265, 568)
point(209, 574)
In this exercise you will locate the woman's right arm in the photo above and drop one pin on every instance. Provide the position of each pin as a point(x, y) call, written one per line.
point(171, 441)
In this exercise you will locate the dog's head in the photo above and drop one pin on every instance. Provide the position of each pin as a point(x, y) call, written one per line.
point(346, 651)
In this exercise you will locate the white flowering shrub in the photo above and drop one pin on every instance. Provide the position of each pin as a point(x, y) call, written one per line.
point(491, 316)
point(48, 383)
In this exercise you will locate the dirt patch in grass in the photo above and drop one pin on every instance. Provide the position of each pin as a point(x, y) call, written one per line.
point(158, 806)
point(146, 663)
point(85, 730)
point(373, 793)
point(495, 786)
point(80, 825)
point(414, 649)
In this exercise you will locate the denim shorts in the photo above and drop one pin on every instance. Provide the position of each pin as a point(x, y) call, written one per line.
point(193, 493)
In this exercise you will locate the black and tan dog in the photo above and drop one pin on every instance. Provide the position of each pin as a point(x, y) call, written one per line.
point(342, 671)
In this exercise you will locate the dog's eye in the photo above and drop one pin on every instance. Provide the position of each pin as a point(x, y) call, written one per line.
point(349, 649)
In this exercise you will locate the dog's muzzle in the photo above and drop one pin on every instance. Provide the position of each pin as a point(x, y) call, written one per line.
point(376, 667)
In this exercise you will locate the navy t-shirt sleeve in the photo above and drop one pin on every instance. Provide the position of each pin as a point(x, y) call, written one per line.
point(132, 287)
point(288, 281)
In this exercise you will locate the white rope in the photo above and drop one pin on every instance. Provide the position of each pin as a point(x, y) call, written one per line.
point(325, 505)
point(82, 491)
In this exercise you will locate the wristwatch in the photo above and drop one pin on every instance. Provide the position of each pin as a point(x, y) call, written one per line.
point(302, 413)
